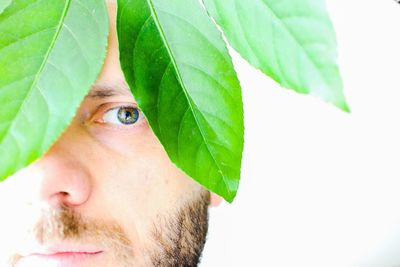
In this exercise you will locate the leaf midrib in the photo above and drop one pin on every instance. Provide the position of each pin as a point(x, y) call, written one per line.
point(179, 76)
point(45, 59)
point(4, 7)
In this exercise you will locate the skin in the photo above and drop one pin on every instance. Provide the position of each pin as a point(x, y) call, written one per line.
point(105, 185)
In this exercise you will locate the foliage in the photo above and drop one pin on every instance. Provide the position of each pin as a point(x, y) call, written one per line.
point(4, 4)
point(175, 61)
point(47, 64)
point(291, 41)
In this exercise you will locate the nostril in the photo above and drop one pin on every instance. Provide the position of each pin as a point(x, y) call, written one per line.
point(63, 196)
point(60, 198)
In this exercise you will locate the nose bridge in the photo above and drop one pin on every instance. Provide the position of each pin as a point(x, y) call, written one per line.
point(65, 180)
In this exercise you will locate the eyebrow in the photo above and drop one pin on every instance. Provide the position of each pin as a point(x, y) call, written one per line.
point(107, 90)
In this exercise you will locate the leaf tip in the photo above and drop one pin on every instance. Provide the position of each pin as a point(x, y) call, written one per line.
point(230, 198)
point(342, 104)
point(229, 192)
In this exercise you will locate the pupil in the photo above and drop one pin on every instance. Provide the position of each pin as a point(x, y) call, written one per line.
point(128, 115)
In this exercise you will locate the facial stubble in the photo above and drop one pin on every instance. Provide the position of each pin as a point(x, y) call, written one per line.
point(175, 239)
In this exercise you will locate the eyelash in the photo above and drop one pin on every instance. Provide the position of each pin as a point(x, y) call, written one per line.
point(98, 116)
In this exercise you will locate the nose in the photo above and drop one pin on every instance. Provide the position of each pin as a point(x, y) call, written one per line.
point(64, 180)
point(62, 177)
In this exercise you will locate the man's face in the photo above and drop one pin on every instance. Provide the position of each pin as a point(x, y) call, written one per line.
point(105, 194)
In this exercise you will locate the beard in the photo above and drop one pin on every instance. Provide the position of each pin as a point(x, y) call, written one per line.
point(174, 240)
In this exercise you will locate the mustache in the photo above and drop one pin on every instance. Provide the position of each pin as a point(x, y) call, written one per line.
point(64, 224)
point(60, 224)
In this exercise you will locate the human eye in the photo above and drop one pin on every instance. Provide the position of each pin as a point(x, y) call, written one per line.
point(119, 115)
point(122, 115)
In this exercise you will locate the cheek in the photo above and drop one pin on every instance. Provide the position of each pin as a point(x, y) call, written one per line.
point(134, 191)
point(126, 162)
point(124, 140)
point(134, 163)
point(144, 182)
point(136, 158)
point(135, 180)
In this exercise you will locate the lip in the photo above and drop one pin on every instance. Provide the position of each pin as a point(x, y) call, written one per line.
point(61, 255)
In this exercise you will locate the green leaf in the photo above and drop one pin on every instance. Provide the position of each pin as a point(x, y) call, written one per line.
point(4, 4)
point(178, 67)
point(48, 61)
point(292, 41)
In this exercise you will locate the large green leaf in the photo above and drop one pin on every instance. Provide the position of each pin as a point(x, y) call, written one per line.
point(292, 41)
point(4, 4)
point(177, 64)
point(50, 54)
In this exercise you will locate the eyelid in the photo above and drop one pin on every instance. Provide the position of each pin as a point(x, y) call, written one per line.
point(97, 116)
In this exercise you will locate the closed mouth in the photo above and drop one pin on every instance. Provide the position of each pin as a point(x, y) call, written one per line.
point(60, 256)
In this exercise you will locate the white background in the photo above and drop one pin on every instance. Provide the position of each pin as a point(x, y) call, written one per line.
point(321, 187)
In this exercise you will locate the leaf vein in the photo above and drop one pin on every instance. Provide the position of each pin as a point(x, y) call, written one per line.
point(30, 91)
point(294, 38)
point(77, 42)
point(200, 34)
point(179, 76)
point(209, 76)
point(24, 38)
